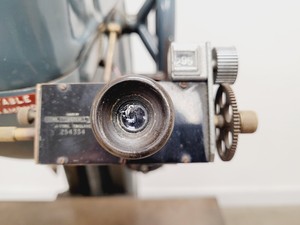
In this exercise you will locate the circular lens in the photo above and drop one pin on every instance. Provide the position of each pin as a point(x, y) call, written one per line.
point(133, 116)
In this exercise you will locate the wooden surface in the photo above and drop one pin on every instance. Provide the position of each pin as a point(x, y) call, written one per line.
point(115, 210)
point(262, 215)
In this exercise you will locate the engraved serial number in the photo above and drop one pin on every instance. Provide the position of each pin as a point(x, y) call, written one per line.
point(73, 132)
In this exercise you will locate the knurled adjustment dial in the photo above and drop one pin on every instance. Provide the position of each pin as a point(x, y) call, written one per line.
point(225, 65)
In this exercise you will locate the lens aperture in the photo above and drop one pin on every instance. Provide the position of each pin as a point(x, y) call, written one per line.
point(133, 116)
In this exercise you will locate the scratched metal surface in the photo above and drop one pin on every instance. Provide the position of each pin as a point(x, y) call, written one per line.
point(65, 136)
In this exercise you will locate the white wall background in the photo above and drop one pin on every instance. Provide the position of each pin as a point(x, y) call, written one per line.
point(266, 168)
point(23, 180)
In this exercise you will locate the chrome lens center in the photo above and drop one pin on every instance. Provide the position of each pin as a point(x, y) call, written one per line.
point(133, 116)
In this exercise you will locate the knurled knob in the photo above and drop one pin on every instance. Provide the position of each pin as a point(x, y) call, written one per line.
point(226, 65)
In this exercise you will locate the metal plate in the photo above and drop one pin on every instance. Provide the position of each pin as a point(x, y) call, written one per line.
point(64, 134)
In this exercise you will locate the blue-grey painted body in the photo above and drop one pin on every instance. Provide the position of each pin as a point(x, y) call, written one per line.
point(42, 40)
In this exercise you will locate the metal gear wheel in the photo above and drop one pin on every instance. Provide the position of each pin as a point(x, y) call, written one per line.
point(228, 124)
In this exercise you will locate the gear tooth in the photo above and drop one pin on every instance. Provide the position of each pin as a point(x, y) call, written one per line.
point(226, 69)
point(234, 126)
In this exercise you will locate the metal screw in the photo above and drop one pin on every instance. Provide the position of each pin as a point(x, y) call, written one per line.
point(183, 85)
point(63, 87)
point(144, 168)
point(186, 158)
point(122, 161)
point(62, 160)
